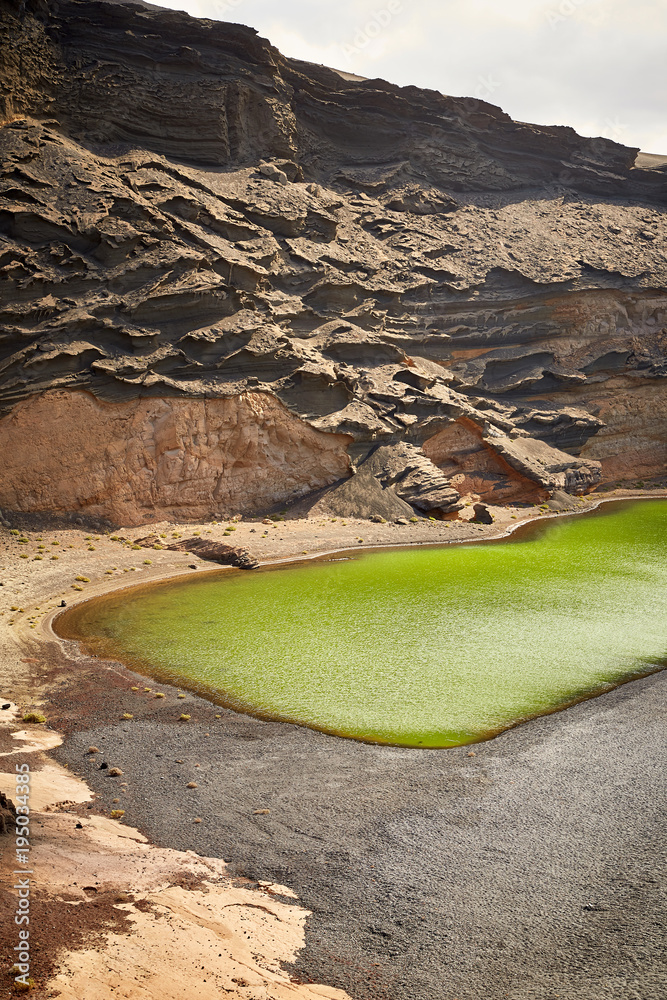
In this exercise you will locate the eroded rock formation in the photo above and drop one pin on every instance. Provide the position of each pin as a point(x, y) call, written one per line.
point(230, 278)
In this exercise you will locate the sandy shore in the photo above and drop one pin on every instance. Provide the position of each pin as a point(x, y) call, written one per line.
point(142, 905)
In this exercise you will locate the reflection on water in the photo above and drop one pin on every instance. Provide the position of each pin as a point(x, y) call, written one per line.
point(430, 647)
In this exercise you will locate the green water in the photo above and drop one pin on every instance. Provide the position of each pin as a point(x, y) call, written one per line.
point(422, 647)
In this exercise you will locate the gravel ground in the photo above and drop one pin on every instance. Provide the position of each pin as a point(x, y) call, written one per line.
point(531, 866)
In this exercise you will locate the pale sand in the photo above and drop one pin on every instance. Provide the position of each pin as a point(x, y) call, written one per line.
point(239, 935)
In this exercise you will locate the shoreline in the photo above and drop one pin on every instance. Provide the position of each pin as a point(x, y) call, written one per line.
point(51, 665)
point(531, 517)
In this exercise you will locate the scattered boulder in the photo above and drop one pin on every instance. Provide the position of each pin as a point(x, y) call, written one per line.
point(290, 168)
point(273, 173)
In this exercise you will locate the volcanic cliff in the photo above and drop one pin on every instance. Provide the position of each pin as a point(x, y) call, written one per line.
point(231, 279)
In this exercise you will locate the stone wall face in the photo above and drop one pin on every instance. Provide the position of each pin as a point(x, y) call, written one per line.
point(147, 459)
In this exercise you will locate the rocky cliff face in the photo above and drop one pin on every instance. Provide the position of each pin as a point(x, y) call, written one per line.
point(301, 276)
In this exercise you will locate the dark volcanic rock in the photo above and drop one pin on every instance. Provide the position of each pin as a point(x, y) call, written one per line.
point(186, 215)
point(482, 514)
point(227, 555)
point(7, 814)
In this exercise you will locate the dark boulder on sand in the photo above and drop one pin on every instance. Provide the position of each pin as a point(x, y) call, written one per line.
point(226, 555)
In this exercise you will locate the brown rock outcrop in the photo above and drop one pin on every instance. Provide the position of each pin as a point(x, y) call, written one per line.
point(147, 459)
point(394, 269)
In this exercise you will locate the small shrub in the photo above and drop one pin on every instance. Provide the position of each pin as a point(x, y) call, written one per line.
point(127, 715)
point(24, 555)
point(184, 718)
point(23, 986)
point(135, 547)
point(148, 562)
point(75, 586)
point(14, 531)
point(160, 694)
point(54, 557)
point(82, 579)
point(117, 813)
point(34, 717)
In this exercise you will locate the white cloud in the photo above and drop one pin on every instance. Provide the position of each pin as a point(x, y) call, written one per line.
point(592, 64)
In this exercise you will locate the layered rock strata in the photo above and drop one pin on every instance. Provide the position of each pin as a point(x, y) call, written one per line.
point(230, 278)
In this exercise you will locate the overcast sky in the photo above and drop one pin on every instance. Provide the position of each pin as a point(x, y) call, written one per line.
point(598, 65)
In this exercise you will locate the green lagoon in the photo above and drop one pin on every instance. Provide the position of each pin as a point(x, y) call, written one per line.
point(428, 647)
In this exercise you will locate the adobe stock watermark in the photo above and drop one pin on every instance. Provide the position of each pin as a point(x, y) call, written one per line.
point(615, 129)
point(22, 884)
point(484, 91)
point(562, 11)
point(377, 23)
point(222, 7)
